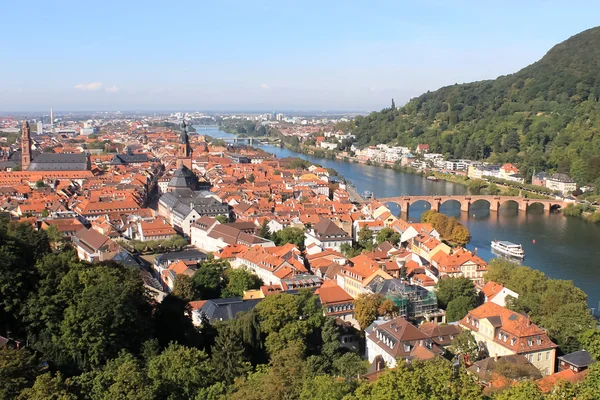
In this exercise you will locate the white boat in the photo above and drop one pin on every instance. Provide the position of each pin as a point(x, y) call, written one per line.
point(508, 248)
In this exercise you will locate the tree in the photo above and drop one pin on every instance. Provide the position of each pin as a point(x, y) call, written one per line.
point(567, 324)
point(349, 366)
point(590, 340)
point(121, 378)
point(348, 251)
point(459, 307)
point(228, 360)
point(207, 280)
point(324, 388)
point(590, 387)
point(432, 379)
point(173, 324)
point(183, 287)
point(54, 235)
point(289, 235)
point(461, 235)
point(180, 372)
point(527, 390)
point(47, 387)
point(251, 178)
point(388, 309)
point(387, 235)
point(109, 312)
point(265, 232)
point(448, 289)
point(40, 183)
point(223, 219)
point(476, 185)
point(18, 370)
point(238, 281)
point(366, 308)
point(493, 189)
point(465, 345)
point(287, 373)
point(365, 238)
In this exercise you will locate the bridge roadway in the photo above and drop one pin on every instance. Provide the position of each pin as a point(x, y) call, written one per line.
point(466, 200)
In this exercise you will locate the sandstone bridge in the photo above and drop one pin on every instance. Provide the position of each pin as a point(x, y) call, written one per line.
point(465, 201)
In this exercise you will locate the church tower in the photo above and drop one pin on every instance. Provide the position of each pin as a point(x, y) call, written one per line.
point(25, 146)
point(184, 151)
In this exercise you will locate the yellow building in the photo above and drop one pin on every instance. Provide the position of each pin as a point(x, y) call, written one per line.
point(503, 332)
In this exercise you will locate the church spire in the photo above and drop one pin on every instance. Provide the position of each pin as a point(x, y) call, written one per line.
point(25, 145)
point(184, 151)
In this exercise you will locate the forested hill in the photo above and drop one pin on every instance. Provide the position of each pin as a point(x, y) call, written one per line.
point(544, 117)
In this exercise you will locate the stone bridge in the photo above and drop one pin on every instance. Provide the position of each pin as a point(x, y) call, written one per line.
point(466, 200)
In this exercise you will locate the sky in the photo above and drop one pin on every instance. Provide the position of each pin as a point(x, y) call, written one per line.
point(249, 55)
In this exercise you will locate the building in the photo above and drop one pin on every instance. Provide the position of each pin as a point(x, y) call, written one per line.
point(397, 340)
point(184, 151)
point(49, 161)
point(220, 310)
point(577, 361)
point(336, 302)
point(93, 246)
point(273, 264)
point(327, 235)
point(460, 262)
point(414, 302)
point(183, 207)
point(504, 332)
point(497, 293)
point(210, 235)
point(561, 183)
point(539, 179)
point(355, 277)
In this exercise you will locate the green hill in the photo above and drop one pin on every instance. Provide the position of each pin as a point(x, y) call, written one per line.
point(544, 117)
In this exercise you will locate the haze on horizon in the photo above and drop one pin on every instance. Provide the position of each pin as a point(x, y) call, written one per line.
point(263, 55)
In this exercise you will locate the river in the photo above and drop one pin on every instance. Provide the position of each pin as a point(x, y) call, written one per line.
point(561, 247)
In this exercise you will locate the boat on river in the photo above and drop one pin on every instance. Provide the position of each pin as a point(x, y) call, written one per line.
point(508, 248)
point(433, 178)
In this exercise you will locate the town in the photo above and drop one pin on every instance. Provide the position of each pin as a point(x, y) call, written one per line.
point(151, 194)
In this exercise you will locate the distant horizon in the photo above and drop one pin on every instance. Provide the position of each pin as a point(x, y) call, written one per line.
point(253, 57)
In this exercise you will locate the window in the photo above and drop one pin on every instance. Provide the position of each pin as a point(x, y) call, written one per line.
point(539, 356)
point(547, 355)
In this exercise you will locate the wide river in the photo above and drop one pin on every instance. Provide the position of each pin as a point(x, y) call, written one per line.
point(564, 247)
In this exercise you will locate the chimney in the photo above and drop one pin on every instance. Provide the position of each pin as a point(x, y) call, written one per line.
point(496, 357)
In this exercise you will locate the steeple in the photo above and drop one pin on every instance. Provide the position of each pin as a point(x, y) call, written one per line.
point(184, 151)
point(25, 145)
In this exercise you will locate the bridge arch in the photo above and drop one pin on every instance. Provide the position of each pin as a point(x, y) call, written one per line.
point(505, 202)
point(450, 201)
point(395, 207)
point(423, 204)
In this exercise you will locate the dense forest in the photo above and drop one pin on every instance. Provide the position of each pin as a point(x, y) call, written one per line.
point(90, 331)
point(544, 117)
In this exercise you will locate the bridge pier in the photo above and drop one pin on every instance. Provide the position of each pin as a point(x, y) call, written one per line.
point(523, 205)
point(405, 207)
point(464, 205)
point(547, 208)
point(494, 205)
point(436, 206)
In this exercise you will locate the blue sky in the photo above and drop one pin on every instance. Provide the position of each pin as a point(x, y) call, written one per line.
point(265, 55)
